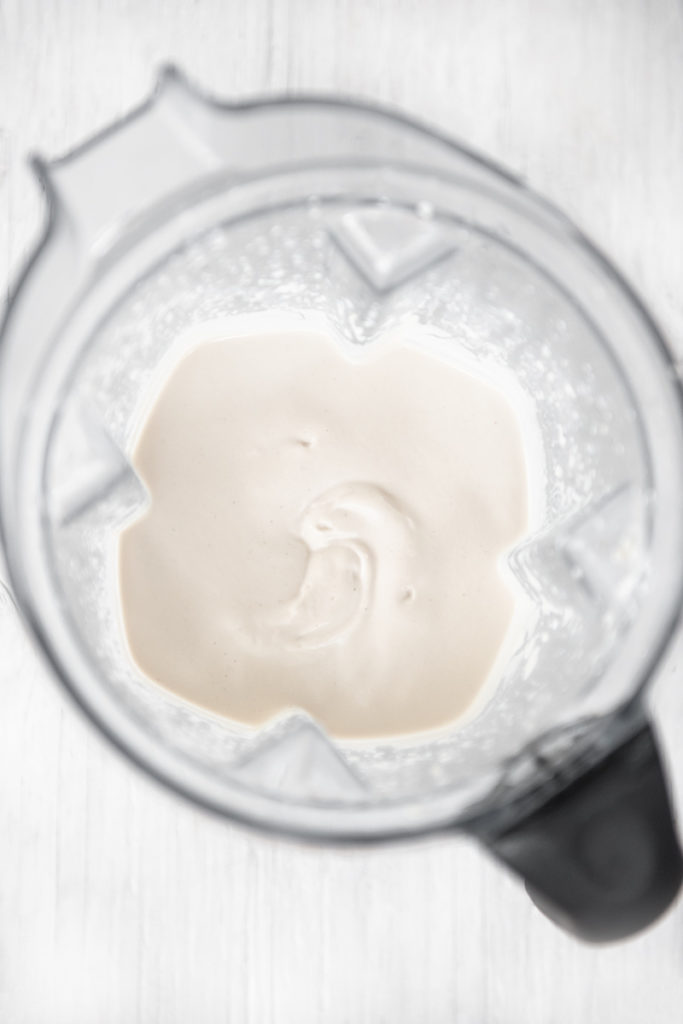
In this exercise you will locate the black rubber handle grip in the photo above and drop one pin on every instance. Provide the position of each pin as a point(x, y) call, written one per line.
point(602, 859)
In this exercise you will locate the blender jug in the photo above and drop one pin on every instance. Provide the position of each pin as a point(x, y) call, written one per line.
point(190, 210)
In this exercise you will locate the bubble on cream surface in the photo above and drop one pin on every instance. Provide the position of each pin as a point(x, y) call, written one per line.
point(325, 531)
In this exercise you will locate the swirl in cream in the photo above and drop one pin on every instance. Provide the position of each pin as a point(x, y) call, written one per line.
point(359, 543)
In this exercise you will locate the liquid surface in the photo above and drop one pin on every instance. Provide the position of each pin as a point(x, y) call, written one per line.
point(325, 532)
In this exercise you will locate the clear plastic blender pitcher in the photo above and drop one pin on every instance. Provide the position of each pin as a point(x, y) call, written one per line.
point(190, 210)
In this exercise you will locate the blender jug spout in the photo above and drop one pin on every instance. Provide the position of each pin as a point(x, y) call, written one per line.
point(601, 859)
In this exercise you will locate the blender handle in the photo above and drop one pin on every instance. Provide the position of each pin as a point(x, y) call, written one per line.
point(602, 858)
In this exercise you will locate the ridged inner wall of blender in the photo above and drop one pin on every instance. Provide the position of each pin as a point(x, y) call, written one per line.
point(365, 269)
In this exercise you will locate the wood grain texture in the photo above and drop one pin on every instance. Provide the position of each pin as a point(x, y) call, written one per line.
point(118, 903)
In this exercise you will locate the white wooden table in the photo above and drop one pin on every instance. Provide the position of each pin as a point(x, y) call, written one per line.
point(118, 903)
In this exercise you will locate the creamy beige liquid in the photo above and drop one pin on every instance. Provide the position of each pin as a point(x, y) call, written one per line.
point(324, 533)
